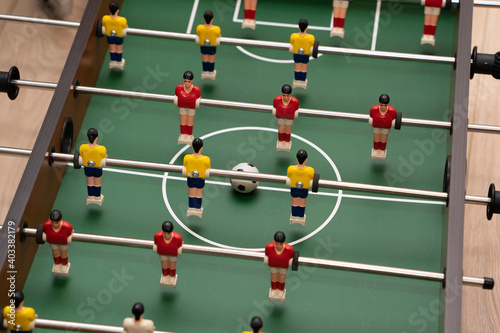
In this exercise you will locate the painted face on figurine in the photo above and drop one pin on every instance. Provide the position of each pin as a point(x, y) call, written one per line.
point(278, 246)
point(188, 84)
point(286, 98)
point(56, 224)
point(167, 236)
point(383, 107)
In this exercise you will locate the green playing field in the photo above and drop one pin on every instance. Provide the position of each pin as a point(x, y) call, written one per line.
point(216, 294)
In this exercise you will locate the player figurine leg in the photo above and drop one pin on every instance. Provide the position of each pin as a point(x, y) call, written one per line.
point(301, 45)
point(339, 12)
point(207, 36)
point(279, 256)
point(431, 11)
point(300, 178)
point(115, 29)
point(187, 97)
point(382, 118)
point(58, 234)
point(196, 167)
point(285, 108)
point(93, 159)
point(249, 14)
point(168, 244)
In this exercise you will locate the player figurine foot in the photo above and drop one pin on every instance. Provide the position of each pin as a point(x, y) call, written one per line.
point(339, 32)
point(95, 200)
point(378, 154)
point(117, 64)
point(168, 281)
point(300, 84)
point(209, 75)
point(283, 146)
point(428, 39)
point(185, 139)
point(248, 24)
point(299, 220)
point(277, 295)
point(61, 269)
point(195, 212)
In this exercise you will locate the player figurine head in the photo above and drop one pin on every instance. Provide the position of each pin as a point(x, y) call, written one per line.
point(208, 16)
point(197, 145)
point(279, 239)
point(138, 311)
point(303, 24)
point(188, 79)
point(92, 135)
point(286, 90)
point(256, 324)
point(301, 156)
point(188, 75)
point(18, 298)
point(55, 217)
point(167, 226)
point(384, 101)
point(114, 7)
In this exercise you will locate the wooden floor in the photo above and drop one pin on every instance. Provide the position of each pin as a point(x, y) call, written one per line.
point(40, 52)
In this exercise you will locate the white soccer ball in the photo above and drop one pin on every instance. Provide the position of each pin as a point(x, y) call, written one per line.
point(244, 186)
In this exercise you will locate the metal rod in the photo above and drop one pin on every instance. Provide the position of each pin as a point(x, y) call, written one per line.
point(250, 106)
point(256, 43)
point(71, 326)
point(250, 255)
point(39, 20)
point(333, 184)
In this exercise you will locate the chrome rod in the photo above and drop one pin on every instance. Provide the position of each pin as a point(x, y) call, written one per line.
point(333, 184)
point(251, 255)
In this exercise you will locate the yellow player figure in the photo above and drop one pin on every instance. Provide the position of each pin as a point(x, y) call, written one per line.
point(299, 178)
point(208, 37)
point(256, 325)
point(17, 317)
point(93, 159)
point(196, 168)
point(115, 28)
point(301, 45)
point(249, 14)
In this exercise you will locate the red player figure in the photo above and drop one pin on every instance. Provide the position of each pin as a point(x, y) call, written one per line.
point(114, 27)
point(208, 37)
point(286, 109)
point(431, 11)
point(138, 324)
point(196, 167)
point(187, 98)
point(17, 317)
point(249, 14)
point(58, 234)
point(301, 45)
point(382, 118)
point(168, 244)
point(300, 178)
point(339, 12)
point(279, 256)
point(93, 159)
point(256, 325)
